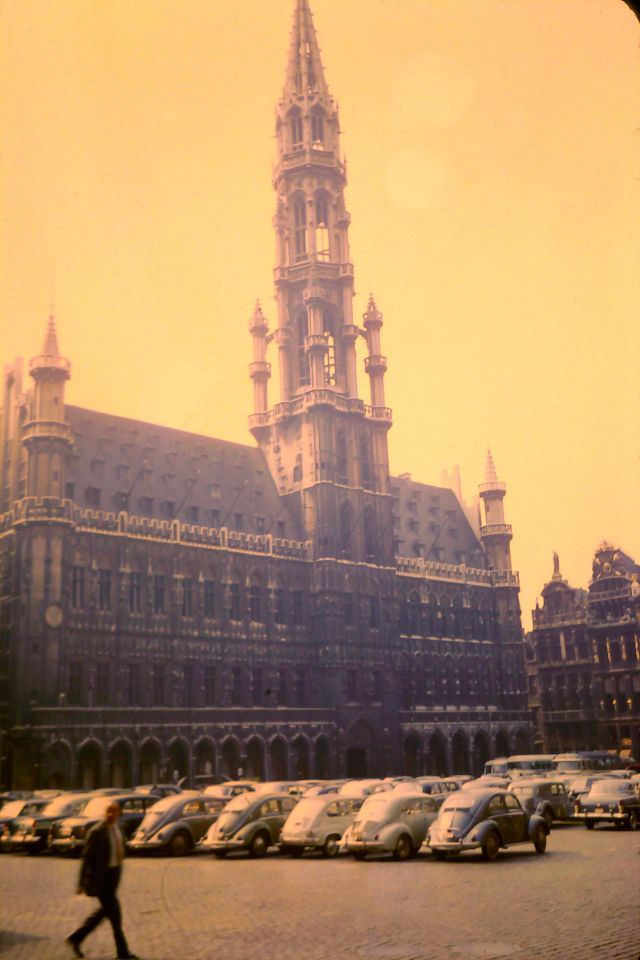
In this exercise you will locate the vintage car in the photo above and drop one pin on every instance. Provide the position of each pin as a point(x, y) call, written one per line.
point(69, 834)
point(318, 823)
point(175, 824)
point(10, 817)
point(395, 822)
point(32, 833)
point(485, 820)
point(251, 821)
point(610, 800)
point(548, 798)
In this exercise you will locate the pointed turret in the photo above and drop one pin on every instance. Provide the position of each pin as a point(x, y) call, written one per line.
point(305, 75)
point(259, 369)
point(47, 436)
point(375, 364)
point(494, 532)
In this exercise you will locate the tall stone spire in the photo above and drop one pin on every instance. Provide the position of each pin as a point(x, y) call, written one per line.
point(305, 74)
point(490, 475)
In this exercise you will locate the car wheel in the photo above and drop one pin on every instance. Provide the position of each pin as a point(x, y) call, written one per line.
point(220, 854)
point(180, 844)
point(294, 851)
point(259, 845)
point(589, 824)
point(540, 840)
point(331, 846)
point(404, 847)
point(440, 854)
point(491, 846)
point(632, 821)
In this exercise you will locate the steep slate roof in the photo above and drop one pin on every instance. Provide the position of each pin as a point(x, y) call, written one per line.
point(169, 472)
point(430, 522)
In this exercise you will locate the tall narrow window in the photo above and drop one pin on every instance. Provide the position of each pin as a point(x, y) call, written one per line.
point(234, 601)
point(279, 605)
point(341, 458)
point(365, 463)
point(77, 588)
point(317, 130)
point(102, 683)
point(304, 377)
point(296, 130)
point(209, 598)
point(322, 229)
point(255, 605)
point(159, 593)
point(300, 230)
point(209, 684)
point(187, 597)
point(135, 593)
point(297, 606)
point(370, 539)
point(76, 685)
point(330, 355)
point(104, 589)
point(346, 525)
point(158, 685)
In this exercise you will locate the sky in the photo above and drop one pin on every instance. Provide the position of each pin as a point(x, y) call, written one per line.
point(492, 151)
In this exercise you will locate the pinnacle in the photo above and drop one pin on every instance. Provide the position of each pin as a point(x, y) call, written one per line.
point(490, 474)
point(50, 348)
point(305, 73)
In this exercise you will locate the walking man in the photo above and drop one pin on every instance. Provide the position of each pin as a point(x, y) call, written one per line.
point(99, 877)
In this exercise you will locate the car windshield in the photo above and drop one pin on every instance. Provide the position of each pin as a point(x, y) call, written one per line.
point(374, 808)
point(59, 806)
point(568, 766)
point(607, 788)
point(458, 801)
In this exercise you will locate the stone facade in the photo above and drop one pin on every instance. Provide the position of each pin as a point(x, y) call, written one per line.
point(175, 604)
point(583, 659)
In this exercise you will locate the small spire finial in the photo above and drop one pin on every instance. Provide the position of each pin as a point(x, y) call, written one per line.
point(305, 74)
point(556, 566)
point(490, 474)
point(50, 348)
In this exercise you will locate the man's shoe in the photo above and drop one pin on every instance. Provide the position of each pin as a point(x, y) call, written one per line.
point(75, 946)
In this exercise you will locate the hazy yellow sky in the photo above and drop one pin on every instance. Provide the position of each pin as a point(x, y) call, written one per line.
point(492, 154)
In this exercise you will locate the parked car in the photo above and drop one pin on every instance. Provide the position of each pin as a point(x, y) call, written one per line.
point(362, 788)
point(579, 786)
point(548, 798)
point(68, 835)
point(485, 782)
point(159, 790)
point(175, 824)
point(395, 822)
point(10, 817)
point(484, 820)
point(610, 800)
point(250, 821)
point(318, 823)
point(436, 786)
point(231, 788)
point(32, 832)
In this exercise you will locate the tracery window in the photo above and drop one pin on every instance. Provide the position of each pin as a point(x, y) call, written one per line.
point(322, 229)
point(296, 130)
point(299, 230)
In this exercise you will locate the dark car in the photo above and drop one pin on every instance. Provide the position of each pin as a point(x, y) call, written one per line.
point(68, 835)
point(610, 801)
point(484, 820)
point(32, 832)
point(549, 798)
point(175, 824)
point(250, 821)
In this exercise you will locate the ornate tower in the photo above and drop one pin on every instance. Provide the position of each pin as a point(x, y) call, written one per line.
point(326, 448)
point(46, 435)
point(494, 532)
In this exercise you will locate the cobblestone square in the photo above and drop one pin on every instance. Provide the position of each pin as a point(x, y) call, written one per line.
point(577, 902)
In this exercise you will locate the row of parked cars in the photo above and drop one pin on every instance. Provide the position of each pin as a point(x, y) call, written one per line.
point(397, 816)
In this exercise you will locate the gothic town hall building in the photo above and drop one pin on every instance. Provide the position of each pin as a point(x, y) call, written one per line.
point(173, 604)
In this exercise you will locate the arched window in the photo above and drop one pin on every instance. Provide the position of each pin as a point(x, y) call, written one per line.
point(370, 538)
point(341, 458)
point(330, 355)
point(300, 230)
point(317, 130)
point(322, 229)
point(345, 529)
point(304, 377)
point(365, 462)
point(295, 120)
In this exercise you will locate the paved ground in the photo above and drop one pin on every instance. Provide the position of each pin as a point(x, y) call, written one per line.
point(577, 902)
